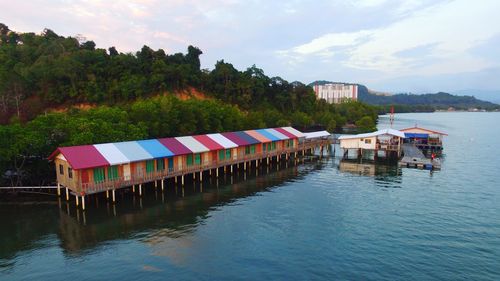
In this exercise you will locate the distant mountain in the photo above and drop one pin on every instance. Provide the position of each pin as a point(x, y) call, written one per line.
point(433, 101)
point(487, 95)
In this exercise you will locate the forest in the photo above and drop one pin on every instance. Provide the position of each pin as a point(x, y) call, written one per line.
point(57, 91)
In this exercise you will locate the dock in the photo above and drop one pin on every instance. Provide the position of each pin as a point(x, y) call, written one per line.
point(413, 157)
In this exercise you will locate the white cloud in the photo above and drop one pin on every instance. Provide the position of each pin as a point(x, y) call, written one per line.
point(452, 28)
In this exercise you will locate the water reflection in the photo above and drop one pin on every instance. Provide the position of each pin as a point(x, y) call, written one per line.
point(388, 176)
point(154, 217)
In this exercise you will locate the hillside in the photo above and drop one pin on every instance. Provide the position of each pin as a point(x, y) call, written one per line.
point(424, 102)
point(56, 90)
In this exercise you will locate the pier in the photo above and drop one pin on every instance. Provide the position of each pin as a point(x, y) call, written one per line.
point(413, 157)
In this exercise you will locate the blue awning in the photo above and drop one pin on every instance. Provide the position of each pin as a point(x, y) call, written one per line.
point(416, 136)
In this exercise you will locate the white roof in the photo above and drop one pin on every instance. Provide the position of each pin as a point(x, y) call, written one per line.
point(222, 140)
point(391, 132)
point(112, 154)
point(192, 144)
point(318, 134)
point(294, 131)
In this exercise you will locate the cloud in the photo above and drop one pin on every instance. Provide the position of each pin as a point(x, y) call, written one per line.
point(448, 31)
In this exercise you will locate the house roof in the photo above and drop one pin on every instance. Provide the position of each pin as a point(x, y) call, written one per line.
point(222, 140)
point(258, 136)
point(424, 129)
point(391, 132)
point(268, 135)
point(175, 146)
point(133, 151)
point(294, 131)
point(208, 142)
point(277, 134)
point(81, 156)
point(318, 134)
point(192, 144)
point(111, 153)
point(155, 148)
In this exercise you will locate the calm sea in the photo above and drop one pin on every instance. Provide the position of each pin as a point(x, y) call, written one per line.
point(322, 220)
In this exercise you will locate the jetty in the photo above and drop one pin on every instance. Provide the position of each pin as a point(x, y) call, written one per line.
point(105, 168)
point(413, 157)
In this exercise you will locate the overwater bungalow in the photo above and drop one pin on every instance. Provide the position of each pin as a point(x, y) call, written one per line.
point(424, 139)
point(88, 169)
point(387, 141)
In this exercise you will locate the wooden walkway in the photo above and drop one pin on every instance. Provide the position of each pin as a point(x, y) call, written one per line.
point(413, 157)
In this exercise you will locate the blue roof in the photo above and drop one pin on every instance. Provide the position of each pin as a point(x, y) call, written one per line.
point(267, 135)
point(133, 151)
point(247, 137)
point(416, 135)
point(155, 148)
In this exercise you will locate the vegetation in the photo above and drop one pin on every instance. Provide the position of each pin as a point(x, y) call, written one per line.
point(57, 91)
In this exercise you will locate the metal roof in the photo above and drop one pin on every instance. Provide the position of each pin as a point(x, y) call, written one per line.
point(248, 138)
point(235, 138)
point(193, 145)
point(155, 148)
point(294, 132)
point(277, 134)
point(208, 142)
point(318, 134)
point(175, 146)
point(83, 156)
point(267, 135)
point(420, 128)
point(261, 138)
point(222, 140)
point(391, 132)
point(133, 151)
point(112, 154)
point(285, 132)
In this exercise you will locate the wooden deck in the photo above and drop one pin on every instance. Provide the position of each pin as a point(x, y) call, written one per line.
point(413, 157)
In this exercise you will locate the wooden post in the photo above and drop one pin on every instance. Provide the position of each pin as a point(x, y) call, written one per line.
point(76, 198)
point(182, 180)
point(217, 172)
point(83, 202)
point(114, 196)
point(156, 183)
point(162, 184)
point(107, 194)
point(140, 189)
point(244, 166)
point(201, 175)
point(67, 194)
point(231, 169)
point(133, 188)
point(59, 189)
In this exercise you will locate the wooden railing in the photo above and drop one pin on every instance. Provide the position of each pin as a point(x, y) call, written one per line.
point(134, 179)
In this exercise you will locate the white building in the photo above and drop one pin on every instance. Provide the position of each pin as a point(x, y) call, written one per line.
point(336, 92)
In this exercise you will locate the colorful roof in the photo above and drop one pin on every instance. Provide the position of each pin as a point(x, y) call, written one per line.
point(222, 140)
point(133, 151)
point(175, 146)
point(257, 136)
point(155, 148)
point(277, 134)
point(248, 138)
point(112, 154)
point(232, 136)
point(192, 144)
point(294, 132)
point(90, 156)
point(208, 142)
point(268, 135)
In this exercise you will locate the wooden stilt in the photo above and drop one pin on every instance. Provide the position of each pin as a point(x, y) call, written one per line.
point(59, 189)
point(201, 176)
point(140, 189)
point(182, 180)
point(107, 194)
point(156, 183)
point(114, 196)
point(77, 202)
point(162, 184)
point(83, 202)
point(67, 194)
point(133, 188)
point(217, 173)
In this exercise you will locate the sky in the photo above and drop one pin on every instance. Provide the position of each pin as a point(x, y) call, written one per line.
point(393, 46)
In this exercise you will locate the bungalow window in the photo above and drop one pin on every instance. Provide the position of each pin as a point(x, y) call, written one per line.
point(228, 153)
point(61, 169)
point(368, 141)
point(222, 154)
point(150, 166)
point(70, 173)
point(113, 172)
point(160, 164)
point(197, 159)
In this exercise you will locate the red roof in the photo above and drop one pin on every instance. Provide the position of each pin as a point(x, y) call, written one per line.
point(208, 142)
point(81, 157)
point(286, 133)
